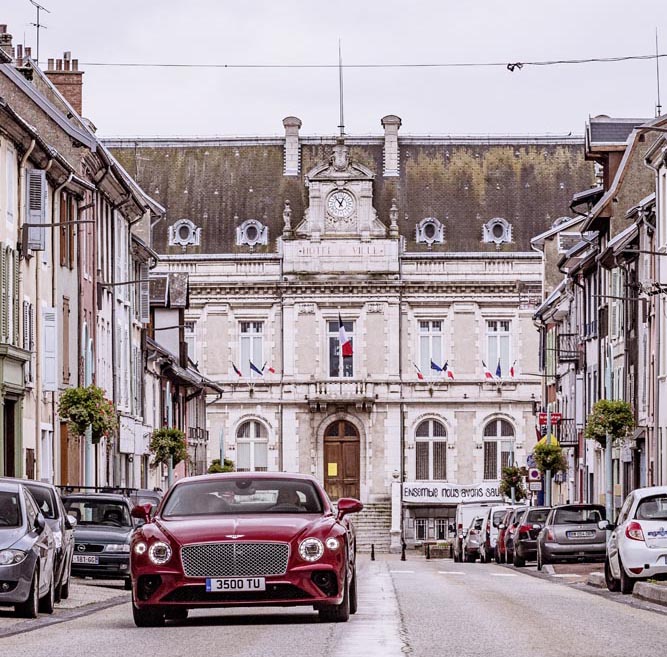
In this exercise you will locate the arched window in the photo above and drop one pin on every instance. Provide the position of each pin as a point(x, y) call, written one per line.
point(431, 451)
point(498, 448)
point(252, 445)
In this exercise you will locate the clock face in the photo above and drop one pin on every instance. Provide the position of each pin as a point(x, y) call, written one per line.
point(340, 204)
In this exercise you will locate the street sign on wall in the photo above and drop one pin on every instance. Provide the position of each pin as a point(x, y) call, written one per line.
point(534, 474)
point(555, 418)
point(535, 485)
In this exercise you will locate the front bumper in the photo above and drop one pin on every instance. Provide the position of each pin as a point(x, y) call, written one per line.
point(637, 555)
point(169, 588)
point(18, 579)
point(573, 551)
point(110, 566)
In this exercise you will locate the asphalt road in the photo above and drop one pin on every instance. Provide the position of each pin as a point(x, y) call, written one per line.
point(417, 607)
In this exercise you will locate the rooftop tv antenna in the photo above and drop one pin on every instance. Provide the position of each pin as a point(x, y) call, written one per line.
point(658, 107)
point(38, 25)
point(340, 89)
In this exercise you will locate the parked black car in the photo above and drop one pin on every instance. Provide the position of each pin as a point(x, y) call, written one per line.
point(49, 503)
point(571, 533)
point(27, 553)
point(513, 521)
point(524, 547)
point(102, 535)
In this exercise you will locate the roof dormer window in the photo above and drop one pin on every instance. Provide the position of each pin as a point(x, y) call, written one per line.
point(251, 233)
point(497, 231)
point(430, 231)
point(184, 233)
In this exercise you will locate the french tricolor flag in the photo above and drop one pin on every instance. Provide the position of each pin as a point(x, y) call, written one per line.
point(420, 376)
point(447, 370)
point(512, 370)
point(487, 371)
point(269, 369)
point(344, 341)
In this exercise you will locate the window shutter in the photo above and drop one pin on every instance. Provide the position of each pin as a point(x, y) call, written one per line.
point(26, 326)
point(144, 296)
point(4, 302)
point(16, 318)
point(49, 355)
point(36, 204)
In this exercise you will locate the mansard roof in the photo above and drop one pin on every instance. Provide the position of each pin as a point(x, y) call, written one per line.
point(464, 182)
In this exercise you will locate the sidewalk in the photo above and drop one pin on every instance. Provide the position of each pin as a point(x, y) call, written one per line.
point(646, 591)
point(83, 593)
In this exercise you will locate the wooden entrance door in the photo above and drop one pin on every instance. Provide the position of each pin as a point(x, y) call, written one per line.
point(341, 460)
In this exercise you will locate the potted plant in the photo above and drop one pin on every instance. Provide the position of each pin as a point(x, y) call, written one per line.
point(512, 477)
point(549, 456)
point(168, 442)
point(216, 466)
point(609, 418)
point(85, 407)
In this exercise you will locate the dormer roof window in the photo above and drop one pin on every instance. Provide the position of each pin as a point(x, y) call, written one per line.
point(251, 233)
point(184, 233)
point(497, 231)
point(430, 231)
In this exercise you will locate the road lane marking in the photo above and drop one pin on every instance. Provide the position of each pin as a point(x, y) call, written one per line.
point(406, 572)
point(450, 572)
point(567, 575)
point(503, 574)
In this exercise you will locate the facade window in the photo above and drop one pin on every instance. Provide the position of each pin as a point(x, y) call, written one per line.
point(421, 529)
point(430, 231)
point(497, 231)
point(430, 345)
point(184, 233)
point(190, 340)
point(441, 532)
point(339, 365)
point(10, 196)
point(498, 448)
point(251, 347)
point(67, 216)
point(498, 345)
point(431, 451)
point(252, 446)
point(252, 232)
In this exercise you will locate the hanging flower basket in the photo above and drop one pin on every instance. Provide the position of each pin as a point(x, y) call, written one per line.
point(168, 442)
point(549, 456)
point(85, 407)
point(609, 417)
point(513, 478)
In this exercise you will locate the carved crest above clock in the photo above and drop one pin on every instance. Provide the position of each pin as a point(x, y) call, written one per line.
point(340, 193)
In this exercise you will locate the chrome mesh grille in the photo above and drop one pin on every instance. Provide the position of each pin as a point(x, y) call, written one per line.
point(235, 559)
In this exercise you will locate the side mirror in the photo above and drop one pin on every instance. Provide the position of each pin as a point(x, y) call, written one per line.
point(604, 525)
point(70, 522)
point(465, 533)
point(348, 505)
point(537, 526)
point(142, 512)
point(502, 526)
point(40, 523)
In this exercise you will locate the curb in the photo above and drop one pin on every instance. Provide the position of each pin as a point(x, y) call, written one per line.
point(597, 580)
point(656, 593)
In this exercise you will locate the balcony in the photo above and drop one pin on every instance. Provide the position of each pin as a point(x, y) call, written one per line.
point(568, 436)
point(341, 392)
point(568, 348)
point(197, 436)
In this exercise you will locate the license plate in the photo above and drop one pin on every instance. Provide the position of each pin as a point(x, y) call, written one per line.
point(583, 534)
point(85, 558)
point(239, 584)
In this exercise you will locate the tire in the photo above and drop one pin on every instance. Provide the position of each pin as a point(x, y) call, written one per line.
point(64, 588)
point(337, 613)
point(612, 583)
point(30, 608)
point(353, 593)
point(539, 559)
point(47, 603)
point(470, 558)
point(127, 584)
point(517, 561)
point(147, 616)
point(627, 583)
point(482, 555)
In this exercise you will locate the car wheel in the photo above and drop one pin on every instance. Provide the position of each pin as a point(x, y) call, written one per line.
point(337, 613)
point(353, 593)
point(612, 583)
point(517, 561)
point(46, 604)
point(482, 555)
point(627, 583)
point(127, 584)
point(539, 559)
point(147, 616)
point(64, 588)
point(30, 608)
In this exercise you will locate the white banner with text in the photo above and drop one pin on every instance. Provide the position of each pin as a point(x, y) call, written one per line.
point(422, 492)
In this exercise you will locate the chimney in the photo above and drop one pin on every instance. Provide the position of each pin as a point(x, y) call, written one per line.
point(6, 54)
point(391, 124)
point(68, 79)
point(292, 152)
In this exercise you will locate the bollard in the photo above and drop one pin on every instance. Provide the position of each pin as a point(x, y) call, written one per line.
point(372, 551)
point(428, 550)
point(402, 551)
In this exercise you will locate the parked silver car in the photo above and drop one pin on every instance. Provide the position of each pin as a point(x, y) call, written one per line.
point(473, 540)
point(27, 553)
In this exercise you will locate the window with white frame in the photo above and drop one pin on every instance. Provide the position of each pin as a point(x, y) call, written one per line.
point(339, 365)
point(251, 347)
point(189, 331)
point(252, 444)
point(431, 451)
point(441, 529)
point(421, 529)
point(11, 184)
point(430, 345)
point(498, 448)
point(498, 345)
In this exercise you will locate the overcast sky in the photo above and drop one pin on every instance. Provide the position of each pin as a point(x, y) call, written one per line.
point(458, 101)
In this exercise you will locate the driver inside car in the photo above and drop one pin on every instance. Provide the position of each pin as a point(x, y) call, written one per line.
point(288, 497)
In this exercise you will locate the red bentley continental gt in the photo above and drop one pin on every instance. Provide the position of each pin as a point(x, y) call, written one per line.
point(244, 539)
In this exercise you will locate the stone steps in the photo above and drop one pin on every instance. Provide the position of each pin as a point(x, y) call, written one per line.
point(372, 526)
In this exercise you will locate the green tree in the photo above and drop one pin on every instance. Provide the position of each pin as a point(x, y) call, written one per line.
point(609, 417)
point(216, 466)
point(166, 442)
point(512, 477)
point(549, 457)
point(85, 407)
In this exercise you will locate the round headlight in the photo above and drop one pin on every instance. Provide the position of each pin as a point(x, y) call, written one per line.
point(311, 549)
point(332, 543)
point(11, 557)
point(159, 553)
point(140, 548)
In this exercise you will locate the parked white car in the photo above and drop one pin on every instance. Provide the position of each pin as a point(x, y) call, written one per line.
point(492, 518)
point(637, 546)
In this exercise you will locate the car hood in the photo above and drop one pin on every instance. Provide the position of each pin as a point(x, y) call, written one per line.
point(9, 536)
point(276, 527)
point(98, 534)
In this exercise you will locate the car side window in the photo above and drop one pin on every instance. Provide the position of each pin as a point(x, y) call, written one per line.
point(31, 511)
point(625, 510)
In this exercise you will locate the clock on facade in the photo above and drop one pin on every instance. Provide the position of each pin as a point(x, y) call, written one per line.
point(340, 204)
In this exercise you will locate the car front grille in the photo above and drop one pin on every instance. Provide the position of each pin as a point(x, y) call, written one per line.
point(87, 548)
point(235, 559)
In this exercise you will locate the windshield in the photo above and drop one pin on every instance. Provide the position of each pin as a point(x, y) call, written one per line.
point(498, 517)
point(537, 515)
point(576, 516)
point(10, 511)
point(652, 508)
point(87, 511)
point(44, 498)
point(242, 496)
